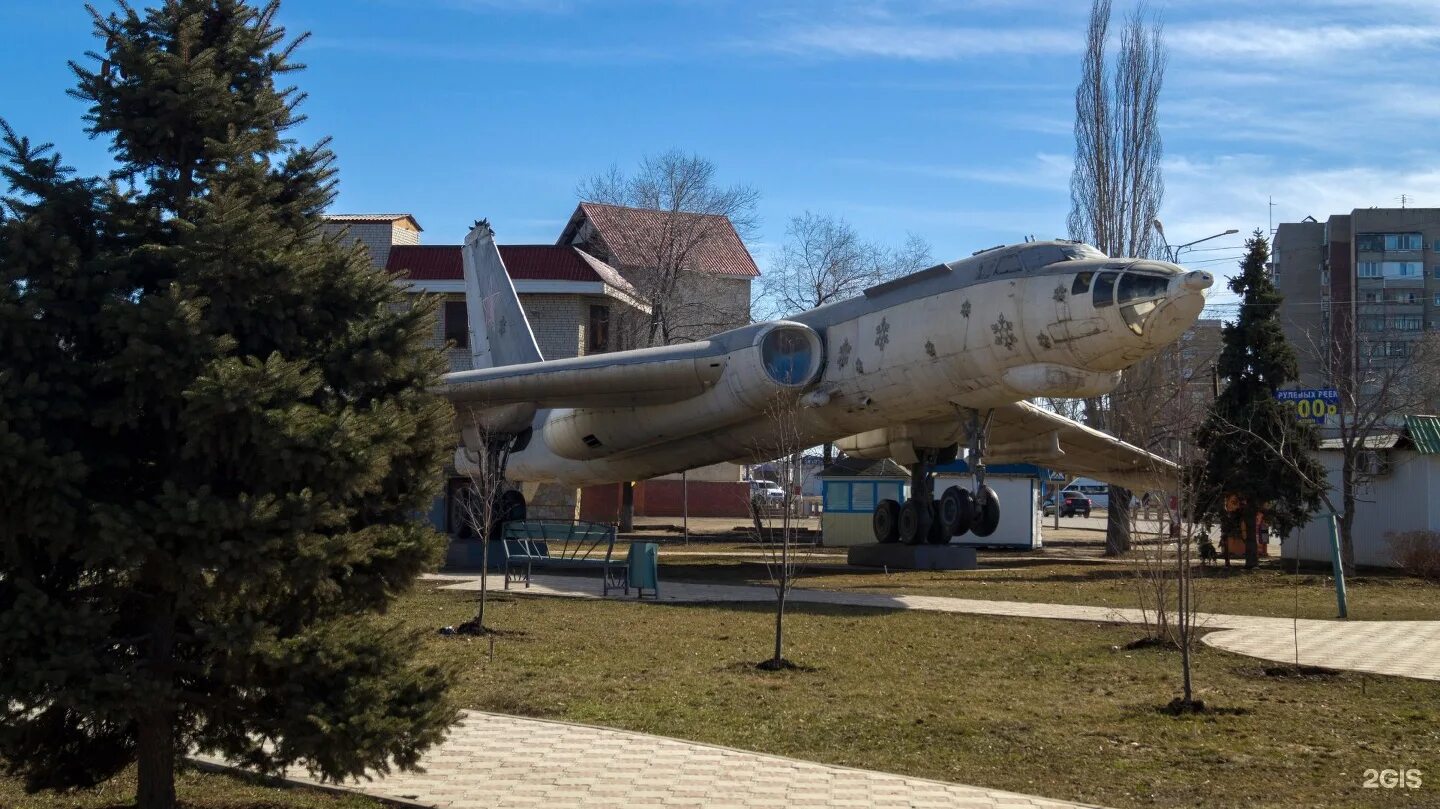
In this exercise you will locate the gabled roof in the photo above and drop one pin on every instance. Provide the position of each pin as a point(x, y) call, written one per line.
point(373, 217)
point(523, 262)
point(625, 231)
point(860, 468)
point(1425, 433)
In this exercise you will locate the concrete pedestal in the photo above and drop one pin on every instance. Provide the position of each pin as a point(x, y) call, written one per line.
point(913, 557)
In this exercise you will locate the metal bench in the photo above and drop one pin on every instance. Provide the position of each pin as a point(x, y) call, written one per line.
point(562, 544)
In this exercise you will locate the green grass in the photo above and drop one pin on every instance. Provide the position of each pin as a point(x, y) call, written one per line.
point(194, 789)
point(1055, 708)
point(1268, 590)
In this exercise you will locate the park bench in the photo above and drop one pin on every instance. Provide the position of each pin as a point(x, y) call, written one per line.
point(529, 544)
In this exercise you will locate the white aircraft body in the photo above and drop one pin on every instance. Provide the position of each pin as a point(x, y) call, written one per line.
point(915, 369)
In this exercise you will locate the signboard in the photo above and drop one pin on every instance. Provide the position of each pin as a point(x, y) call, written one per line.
point(1314, 404)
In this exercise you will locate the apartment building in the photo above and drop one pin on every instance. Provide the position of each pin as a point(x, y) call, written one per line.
point(1361, 289)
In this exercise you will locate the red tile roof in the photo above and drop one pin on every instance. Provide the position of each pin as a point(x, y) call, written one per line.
point(524, 262)
point(628, 231)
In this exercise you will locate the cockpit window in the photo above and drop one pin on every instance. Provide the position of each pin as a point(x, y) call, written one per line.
point(1042, 255)
point(1080, 252)
point(1138, 295)
point(1082, 283)
point(1136, 286)
point(1104, 289)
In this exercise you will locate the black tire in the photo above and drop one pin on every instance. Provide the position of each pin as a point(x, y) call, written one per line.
point(512, 506)
point(987, 507)
point(886, 521)
point(937, 535)
point(914, 522)
point(957, 511)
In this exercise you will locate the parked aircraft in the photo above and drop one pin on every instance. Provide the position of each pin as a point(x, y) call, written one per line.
point(916, 369)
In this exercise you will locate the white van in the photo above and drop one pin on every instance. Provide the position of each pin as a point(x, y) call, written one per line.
point(1099, 493)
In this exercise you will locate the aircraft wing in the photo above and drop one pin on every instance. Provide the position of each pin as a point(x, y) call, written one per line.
point(619, 379)
point(1025, 432)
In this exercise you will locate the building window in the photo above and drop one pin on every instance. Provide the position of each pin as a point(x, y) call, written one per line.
point(1437, 270)
point(1407, 297)
point(1436, 246)
point(1383, 242)
point(457, 326)
point(599, 341)
point(1372, 324)
point(1399, 348)
point(1400, 269)
point(1369, 269)
point(1370, 297)
point(1437, 300)
point(1408, 323)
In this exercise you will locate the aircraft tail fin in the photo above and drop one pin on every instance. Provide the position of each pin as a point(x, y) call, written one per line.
point(499, 332)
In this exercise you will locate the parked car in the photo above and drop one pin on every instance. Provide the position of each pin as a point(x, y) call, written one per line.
point(1071, 504)
point(1096, 491)
point(766, 493)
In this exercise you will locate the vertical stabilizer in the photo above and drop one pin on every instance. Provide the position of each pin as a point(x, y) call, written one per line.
point(499, 332)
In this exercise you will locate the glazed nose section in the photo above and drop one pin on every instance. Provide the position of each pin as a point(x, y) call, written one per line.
point(1196, 281)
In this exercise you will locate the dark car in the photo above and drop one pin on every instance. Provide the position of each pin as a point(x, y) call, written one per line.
point(1071, 504)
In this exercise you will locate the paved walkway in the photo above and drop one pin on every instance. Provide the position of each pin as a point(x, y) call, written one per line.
point(1400, 648)
point(504, 762)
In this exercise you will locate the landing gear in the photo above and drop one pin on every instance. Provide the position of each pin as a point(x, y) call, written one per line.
point(923, 518)
point(488, 483)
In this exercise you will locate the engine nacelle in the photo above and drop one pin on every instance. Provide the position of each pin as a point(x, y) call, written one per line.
point(1059, 381)
point(901, 441)
point(783, 357)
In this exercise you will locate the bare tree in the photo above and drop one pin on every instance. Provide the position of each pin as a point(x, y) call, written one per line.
point(697, 210)
point(484, 506)
point(824, 260)
point(1116, 187)
point(1391, 379)
point(776, 528)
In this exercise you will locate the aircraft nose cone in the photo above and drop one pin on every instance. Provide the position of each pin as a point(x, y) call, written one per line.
point(1197, 281)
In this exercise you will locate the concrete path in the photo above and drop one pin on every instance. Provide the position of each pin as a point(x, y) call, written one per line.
point(496, 761)
point(1400, 648)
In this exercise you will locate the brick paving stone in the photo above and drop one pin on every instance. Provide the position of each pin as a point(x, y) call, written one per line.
point(475, 767)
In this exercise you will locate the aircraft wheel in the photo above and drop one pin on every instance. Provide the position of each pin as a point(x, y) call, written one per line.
point(512, 506)
point(987, 512)
point(914, 522)
point(937, 535)
point(886, 521)
point(957, 511)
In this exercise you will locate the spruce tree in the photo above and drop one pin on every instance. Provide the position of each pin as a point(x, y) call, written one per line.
point(1257, 457)
point(215, 434)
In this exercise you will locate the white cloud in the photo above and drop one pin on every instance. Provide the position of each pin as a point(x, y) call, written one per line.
point(1263, 41)
point(924, 43)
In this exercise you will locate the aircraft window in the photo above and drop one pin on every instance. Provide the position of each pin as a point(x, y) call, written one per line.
point(786, 355)
point(1105, 289)
point(1080, 252)
point(1007, 264)
point(1082, 283)
point(1042, 255)
point(1138, 286)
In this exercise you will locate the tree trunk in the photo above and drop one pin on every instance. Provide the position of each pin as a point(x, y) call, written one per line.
point(827, 451)
point(155, 723)
point(155, 761)
point(627, 506)
point(1252, 539)
point(1117, 522)
point(779, 625)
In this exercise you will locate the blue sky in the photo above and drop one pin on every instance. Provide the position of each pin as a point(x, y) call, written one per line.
point(945, 118)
